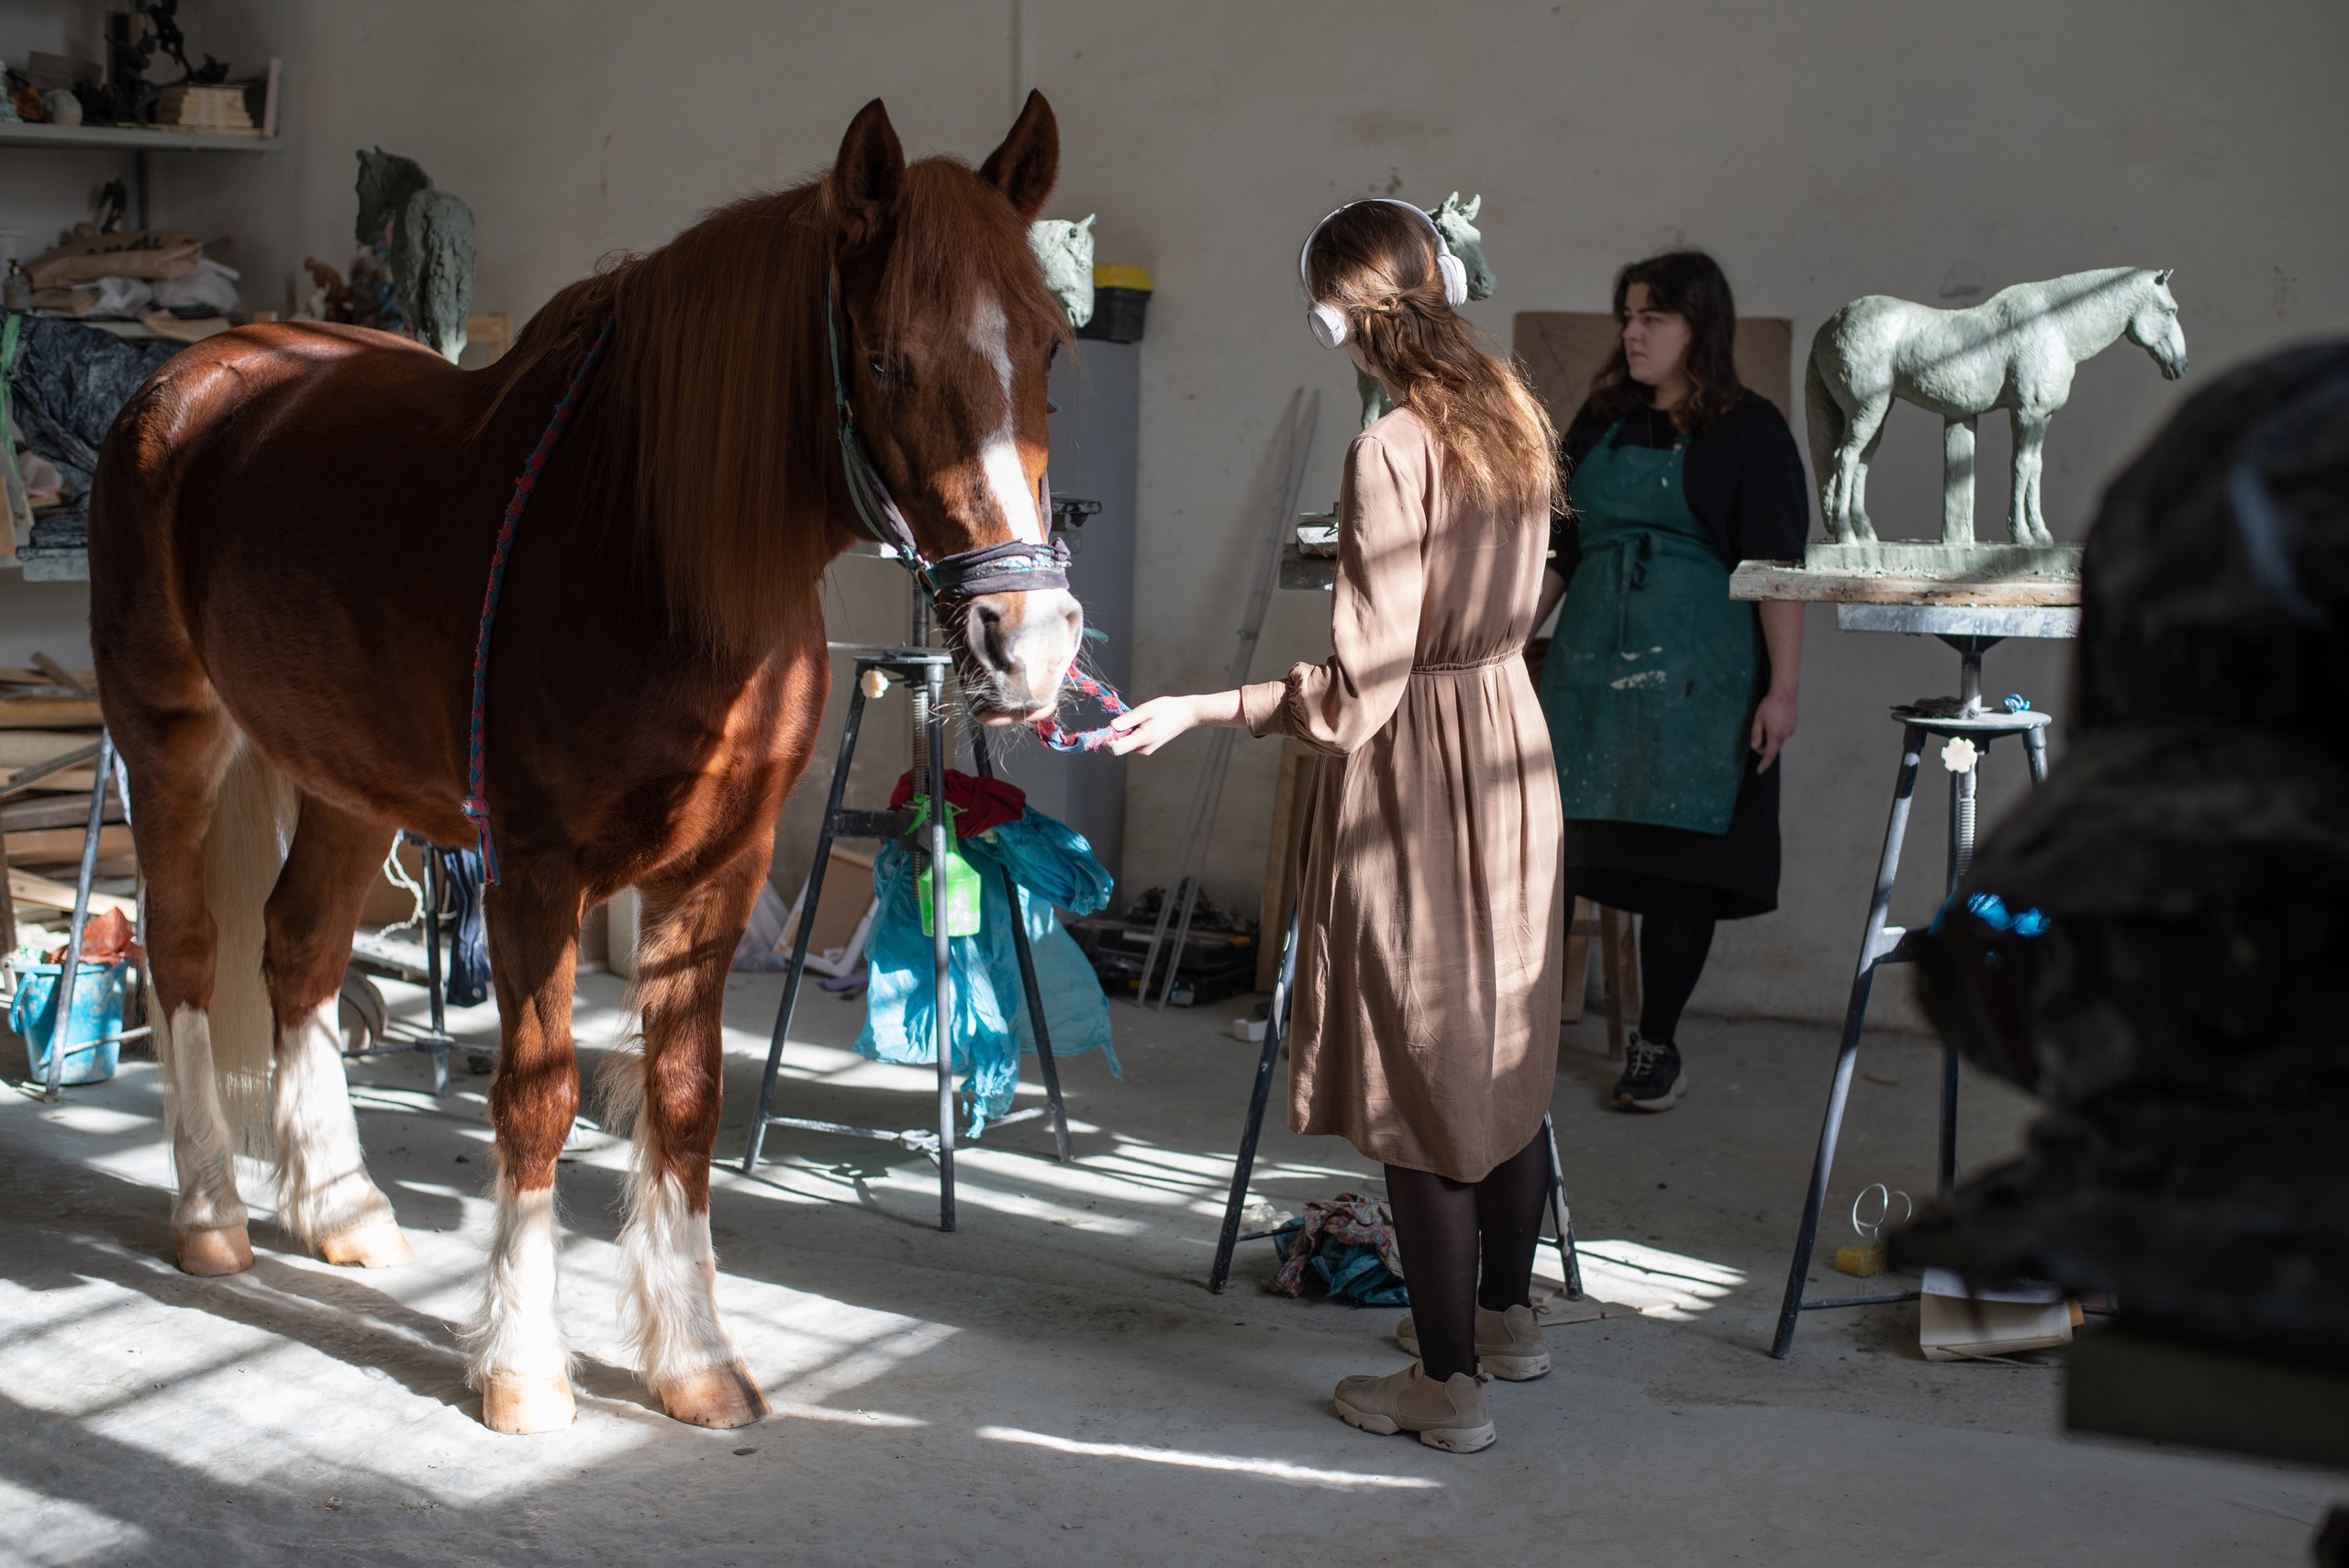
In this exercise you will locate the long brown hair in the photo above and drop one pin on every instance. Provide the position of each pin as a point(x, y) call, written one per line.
point(1374, 263)
point(1687, 284)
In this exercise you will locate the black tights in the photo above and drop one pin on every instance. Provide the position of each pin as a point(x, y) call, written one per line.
point(1674, 935)
point(1442, 1225)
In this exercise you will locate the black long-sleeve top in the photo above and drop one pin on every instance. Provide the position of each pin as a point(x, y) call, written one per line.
point(1744, 480)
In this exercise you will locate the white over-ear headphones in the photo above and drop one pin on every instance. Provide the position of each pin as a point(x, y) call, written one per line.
point(1329, 323)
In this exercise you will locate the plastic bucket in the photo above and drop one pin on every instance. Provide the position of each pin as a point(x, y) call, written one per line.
point(92, 1048)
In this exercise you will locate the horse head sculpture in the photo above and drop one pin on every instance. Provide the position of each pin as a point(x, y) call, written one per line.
point(946, 333)
point(2154, 328)
point(1456, 221)
point(1065, 251)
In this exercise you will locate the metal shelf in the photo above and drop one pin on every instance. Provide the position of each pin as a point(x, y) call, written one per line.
point(18, 133)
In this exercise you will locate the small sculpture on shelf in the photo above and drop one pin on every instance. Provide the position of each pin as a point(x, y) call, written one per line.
point(1065, 251)
point(414, 272)
point(2016, 350)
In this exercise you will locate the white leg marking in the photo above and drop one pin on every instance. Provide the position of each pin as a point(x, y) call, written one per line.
point(1007, 475)
point(200, 1153)
point(670, 1305)
point(322, 1184)
point(516, 1329)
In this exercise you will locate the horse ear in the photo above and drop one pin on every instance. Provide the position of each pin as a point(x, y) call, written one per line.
point(2162, 277)
point(1027, 164)
point(866, 176)
point(1475, 204)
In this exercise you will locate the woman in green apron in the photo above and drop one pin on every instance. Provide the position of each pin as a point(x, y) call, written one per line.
point(1667, 700)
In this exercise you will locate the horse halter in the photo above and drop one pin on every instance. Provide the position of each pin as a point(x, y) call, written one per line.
point(1016, 567)
point(1329, 323)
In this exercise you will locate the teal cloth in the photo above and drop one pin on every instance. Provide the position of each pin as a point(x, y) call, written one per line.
point(1053, 865)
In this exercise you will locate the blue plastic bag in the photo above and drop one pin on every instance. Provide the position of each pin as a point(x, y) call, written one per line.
point(1053, 865)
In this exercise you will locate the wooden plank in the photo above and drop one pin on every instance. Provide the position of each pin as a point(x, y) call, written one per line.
point(22, 748)
point(47, 713)
point(54, 846)
point(12, 676)
point(79, 781)
point(40, 893)
point(33, 809)
point(1766, 580)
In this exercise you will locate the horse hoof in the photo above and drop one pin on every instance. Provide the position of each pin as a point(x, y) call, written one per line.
point(379, 1244)
point(225, 1251)
point(720, 1396)
point(518, 1404)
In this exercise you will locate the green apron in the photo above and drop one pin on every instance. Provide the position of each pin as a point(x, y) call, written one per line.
point(1650, 685)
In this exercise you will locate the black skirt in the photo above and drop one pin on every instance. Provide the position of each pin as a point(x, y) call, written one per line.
point(1732, 875)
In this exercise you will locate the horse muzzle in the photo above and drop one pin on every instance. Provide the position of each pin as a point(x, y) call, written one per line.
point(1020, 646)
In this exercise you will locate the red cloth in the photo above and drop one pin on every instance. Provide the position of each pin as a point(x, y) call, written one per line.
point(105, 939)
point(979, 803)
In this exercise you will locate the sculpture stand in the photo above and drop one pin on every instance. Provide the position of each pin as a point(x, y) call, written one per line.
point(923, 669)
point(1971, 629)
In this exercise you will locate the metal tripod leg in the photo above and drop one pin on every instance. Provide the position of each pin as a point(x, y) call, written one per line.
point(941, 951)
point(798, 969)
point(436, 999)
point(1876, 941)
point(980, 746)
point(1561, 1214)
point(1245, 1164)
point(62, 1032)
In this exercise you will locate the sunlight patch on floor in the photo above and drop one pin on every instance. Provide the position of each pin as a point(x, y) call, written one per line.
point(1267, 1469)
point(58, 1532)
point(1670, 1285)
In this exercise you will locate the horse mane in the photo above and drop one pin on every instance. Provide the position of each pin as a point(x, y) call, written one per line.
point(709, 422)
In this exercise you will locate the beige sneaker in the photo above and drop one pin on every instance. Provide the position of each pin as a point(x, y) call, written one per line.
point(1509, 1344)
point(1450, 1415)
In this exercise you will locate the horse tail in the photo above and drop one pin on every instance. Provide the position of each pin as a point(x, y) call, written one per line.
point(1821, 414)
point(244, 848)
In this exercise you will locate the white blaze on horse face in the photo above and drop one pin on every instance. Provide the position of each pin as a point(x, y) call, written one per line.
point(999, 460)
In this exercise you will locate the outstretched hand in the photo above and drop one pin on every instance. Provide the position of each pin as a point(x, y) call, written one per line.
point(1152, 724)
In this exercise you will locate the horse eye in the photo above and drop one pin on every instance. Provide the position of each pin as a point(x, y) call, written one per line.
point(887, 369)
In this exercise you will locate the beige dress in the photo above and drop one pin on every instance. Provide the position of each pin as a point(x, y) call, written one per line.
point(1431, 914)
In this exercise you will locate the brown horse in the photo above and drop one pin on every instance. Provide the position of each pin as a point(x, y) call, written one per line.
point(291, 532)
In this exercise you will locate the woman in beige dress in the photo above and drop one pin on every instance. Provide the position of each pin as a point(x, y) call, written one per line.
point(1430, 911)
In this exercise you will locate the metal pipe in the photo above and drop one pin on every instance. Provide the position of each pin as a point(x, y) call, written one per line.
point(62, 1031)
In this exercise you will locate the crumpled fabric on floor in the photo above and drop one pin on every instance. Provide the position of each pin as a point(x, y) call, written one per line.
point(1346, 1246)
point(1053, 865)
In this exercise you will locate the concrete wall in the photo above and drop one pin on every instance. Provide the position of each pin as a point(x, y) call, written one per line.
point(1821, 151)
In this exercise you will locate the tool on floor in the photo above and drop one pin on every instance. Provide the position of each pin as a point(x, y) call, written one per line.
point(1971, 629)
point(1295, 444)
point(1245, 1164)
point(1867, 1258)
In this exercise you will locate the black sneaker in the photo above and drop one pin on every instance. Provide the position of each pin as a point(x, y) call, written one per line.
point(1652, 1079)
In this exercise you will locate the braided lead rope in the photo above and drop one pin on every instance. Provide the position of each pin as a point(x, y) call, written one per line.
point(476, 803)
point(1050, 732)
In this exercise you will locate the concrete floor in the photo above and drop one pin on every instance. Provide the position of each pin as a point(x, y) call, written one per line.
point(1051, 1384)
